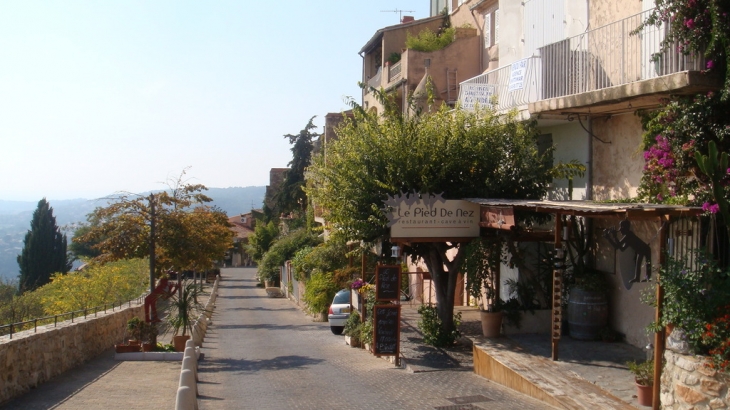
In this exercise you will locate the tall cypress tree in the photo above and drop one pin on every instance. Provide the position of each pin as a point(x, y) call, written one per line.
point(44, 250)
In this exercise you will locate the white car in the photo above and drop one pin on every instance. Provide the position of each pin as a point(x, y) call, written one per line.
point(339, 311)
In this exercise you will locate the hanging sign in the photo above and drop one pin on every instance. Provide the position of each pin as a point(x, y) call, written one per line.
point(472, 94)
point(517, 75)
point(415, 215)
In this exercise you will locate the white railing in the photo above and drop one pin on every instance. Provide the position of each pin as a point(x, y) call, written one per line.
point(395, 72)
point(375, 80)
point(609, 56)
point(510, 86)
point(605, 57)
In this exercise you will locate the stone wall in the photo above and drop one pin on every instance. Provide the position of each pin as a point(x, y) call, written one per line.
point(29, 359)
point(688, 384)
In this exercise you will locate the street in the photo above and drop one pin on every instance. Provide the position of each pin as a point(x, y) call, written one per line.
point(263, 352)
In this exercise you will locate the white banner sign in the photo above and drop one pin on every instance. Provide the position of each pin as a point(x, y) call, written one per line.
point(517, 75)
point(473, 94)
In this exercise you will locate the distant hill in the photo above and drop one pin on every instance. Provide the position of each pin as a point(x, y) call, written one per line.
point(15, 217)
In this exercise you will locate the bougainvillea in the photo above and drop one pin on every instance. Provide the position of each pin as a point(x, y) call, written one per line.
point(673, 135)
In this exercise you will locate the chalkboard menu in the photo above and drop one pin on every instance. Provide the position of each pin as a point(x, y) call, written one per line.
point(386, 333)
point(387, 282)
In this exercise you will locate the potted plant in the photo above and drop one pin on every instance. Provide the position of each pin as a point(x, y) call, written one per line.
point(148, 336)
point(480, 266)
point(181, 312)
point(353, 329)
point(134, 330)
point(587, 297)
point(644, 378)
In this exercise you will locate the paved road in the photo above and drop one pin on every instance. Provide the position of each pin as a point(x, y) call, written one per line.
point(264, 353)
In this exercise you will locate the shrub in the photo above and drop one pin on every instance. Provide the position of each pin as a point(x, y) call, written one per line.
point(433, 333)
point(319, 291)
point(428, 41)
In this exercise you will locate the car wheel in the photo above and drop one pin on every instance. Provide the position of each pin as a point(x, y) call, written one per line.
point(337, 329)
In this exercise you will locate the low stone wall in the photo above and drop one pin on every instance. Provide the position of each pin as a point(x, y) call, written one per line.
point(29, 359)
point(688, 384)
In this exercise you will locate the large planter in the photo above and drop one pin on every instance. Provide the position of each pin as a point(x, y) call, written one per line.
point(179, 342)
point(126, 348)
point(491, 323)
point(644, 394)
point(353, 342)
point(587, 313)
point(148, 347)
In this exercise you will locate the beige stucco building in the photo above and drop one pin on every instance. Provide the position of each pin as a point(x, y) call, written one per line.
point(576, 68)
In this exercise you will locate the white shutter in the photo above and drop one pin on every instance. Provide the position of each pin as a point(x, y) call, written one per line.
point(487, 30)
point(496, 26)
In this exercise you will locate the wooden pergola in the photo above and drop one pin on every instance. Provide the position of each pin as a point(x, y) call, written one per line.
point(499, 214)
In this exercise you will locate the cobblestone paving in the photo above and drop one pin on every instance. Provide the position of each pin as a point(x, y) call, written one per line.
point(264, 353)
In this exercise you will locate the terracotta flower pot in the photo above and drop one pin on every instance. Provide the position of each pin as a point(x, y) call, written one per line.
point(179, 342)
point(644, 394)
point(125, 348)
point(148, 347)
point(491, 323)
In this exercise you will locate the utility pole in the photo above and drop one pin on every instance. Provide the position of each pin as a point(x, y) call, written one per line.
point(152, 243)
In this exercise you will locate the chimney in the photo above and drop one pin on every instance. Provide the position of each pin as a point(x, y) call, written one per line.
point(407, 19)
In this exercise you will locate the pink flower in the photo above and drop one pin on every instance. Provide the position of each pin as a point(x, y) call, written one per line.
point(689, 23)
point(711, 208)
point(710, 64)
point(659, 197)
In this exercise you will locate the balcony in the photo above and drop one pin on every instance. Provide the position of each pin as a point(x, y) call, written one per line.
point(606, 70)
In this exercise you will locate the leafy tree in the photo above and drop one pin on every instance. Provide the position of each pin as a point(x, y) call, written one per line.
point(80, 249)
point(96, 285)
point(44, 250)
point(263, 237)
point(291, 197)
point(283, 250)
point(187, 234)
point(460, 154)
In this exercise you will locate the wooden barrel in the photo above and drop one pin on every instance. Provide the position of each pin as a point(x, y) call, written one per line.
point(587, 314)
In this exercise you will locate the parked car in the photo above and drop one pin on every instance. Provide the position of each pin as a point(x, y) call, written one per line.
point(339, 311)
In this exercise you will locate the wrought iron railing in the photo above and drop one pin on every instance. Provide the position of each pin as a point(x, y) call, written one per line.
point(615, 54)
point(17, 327)
point(608, 56)
point(509, 86)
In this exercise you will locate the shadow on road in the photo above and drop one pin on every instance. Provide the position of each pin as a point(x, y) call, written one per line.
point(243, 365)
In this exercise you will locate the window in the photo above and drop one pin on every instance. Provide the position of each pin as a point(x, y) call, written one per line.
point(491, 28)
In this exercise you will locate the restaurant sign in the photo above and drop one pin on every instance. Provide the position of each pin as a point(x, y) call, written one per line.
point(414, 216)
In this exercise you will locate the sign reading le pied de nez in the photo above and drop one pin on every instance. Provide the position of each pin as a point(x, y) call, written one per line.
point(431, 216)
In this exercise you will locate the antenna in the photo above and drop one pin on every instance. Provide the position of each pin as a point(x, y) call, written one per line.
point(400, 12)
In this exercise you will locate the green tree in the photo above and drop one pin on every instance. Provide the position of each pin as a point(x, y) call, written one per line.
point(44, 250)
point(182, 231)
point(291, 197)
point(263, 236)
point(460, 154)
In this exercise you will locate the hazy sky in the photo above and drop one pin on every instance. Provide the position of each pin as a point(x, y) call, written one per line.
point(105, 96)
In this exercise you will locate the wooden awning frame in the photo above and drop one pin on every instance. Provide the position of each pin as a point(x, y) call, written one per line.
point(662, 214)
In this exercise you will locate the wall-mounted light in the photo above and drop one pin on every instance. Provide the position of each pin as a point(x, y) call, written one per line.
point(394, 251)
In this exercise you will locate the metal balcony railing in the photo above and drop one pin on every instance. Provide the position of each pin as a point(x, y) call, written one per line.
point(605, 57)
point(507, 87)
point(609, 56)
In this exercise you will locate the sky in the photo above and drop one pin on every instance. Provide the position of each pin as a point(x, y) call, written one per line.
point(108, 96)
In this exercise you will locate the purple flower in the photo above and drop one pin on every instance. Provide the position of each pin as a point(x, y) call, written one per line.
point(710, 64)
point(728, 170)
point(689, 23)
point(659, 197)
point(711, 208)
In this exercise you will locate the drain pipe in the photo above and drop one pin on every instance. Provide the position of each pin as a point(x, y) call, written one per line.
point(589, 171)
